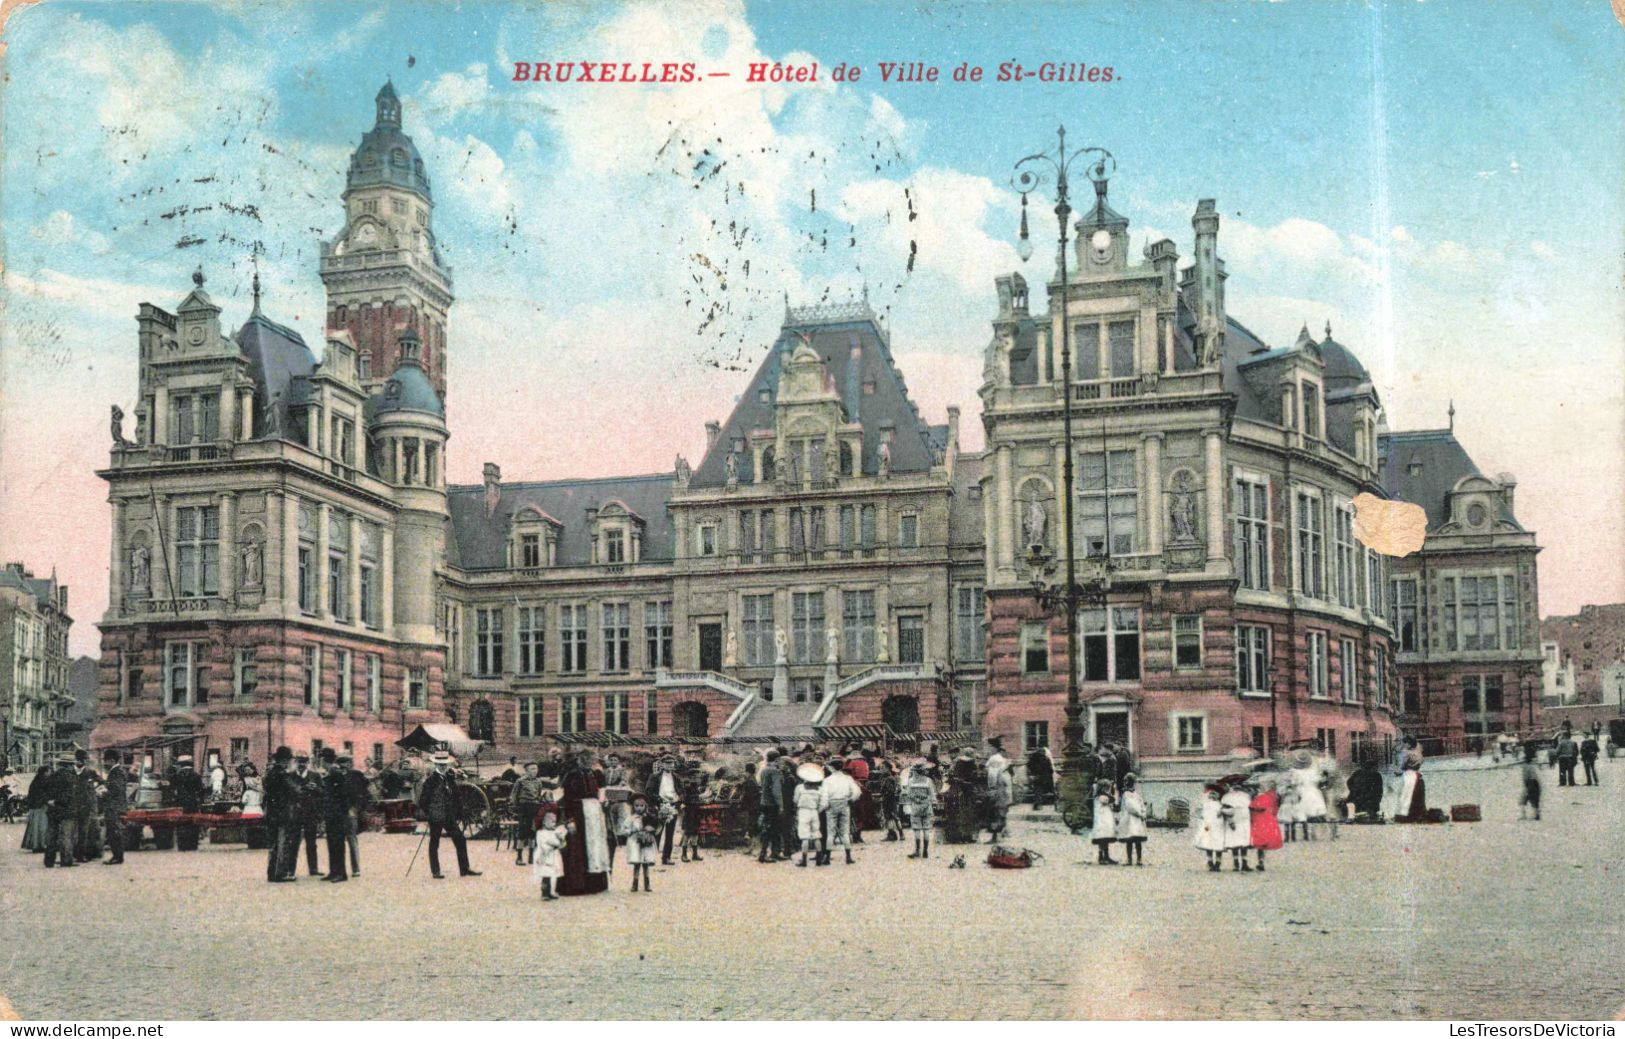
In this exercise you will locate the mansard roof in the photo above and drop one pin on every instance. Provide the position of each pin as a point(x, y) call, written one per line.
point(1342, 375)
point(280, 364)
point(1423, 467)
point(833, 333)
point(479, 541)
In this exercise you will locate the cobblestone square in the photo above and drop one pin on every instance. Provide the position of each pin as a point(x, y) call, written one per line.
point(1500, 919)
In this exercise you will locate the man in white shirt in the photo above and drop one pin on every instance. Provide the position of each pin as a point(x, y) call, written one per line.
point(840, 791)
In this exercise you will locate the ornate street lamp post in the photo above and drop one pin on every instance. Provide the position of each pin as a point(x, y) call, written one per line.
point(1029, 175)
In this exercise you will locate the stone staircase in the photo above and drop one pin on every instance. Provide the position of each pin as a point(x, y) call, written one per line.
point(793, 721)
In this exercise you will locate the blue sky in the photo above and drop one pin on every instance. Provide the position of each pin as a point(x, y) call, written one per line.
point(1440, 181)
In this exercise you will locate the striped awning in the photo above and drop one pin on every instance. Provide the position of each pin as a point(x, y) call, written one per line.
point(854, 732)
point(941, 736)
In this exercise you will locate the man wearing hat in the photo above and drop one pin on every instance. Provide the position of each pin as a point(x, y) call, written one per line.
point(60, 793)
point(335, 789)
point(770, 806)
point(664, 793)
point(307, 787)
point(87, 841)
point(186, 787)
point(360, 801)
point(281, 812)
point(115, 802)
point(440, 806)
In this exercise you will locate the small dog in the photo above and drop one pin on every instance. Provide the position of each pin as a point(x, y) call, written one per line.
point(957, 863)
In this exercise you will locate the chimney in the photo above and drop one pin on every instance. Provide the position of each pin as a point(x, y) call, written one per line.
point(950, 453)
point(493, 487)
point(713, 430)
point(1509, 485)
point(1206, 225)
point(1164, 257)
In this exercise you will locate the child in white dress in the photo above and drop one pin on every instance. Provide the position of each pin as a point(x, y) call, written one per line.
point(1291, 811)
point(549, 864)
point(1210, 827)
point(1131, 822)
point(1105, 830)
point(810, 800)
point(641, 829)
point(1236, 806)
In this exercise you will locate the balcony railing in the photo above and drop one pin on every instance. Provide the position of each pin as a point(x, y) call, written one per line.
point(665, 679)
point(1108, 389)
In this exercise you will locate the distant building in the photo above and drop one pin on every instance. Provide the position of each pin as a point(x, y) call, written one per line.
point(1556, 676)
point(1467, 606)
point(34, 695)
point(1593, 641)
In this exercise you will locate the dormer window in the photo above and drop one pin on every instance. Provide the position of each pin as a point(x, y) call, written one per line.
point(1414, 469)
point(397, 157)
point(1311, 410)
point(614, 546)
point(530, 550)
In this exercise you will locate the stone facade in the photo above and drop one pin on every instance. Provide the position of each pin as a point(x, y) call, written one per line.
point(1591, 642)
point(34, 694)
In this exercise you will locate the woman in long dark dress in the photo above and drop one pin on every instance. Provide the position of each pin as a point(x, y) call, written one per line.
point(36, 831)
point(586, 856)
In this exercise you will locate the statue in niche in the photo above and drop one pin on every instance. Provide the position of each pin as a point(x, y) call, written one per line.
point(140, 426)
point(832, 642)
point(880, 643)
point(781, 646)
point(1034, 523)
point(730, 469)
point(1182, 508)
point(884, 458)
point(140, 570)
point(253, 559)
point(730, 652)
point(118, 427)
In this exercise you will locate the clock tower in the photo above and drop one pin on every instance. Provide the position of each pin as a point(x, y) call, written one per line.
point(383, 271)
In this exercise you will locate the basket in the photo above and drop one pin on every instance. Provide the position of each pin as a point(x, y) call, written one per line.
point(1465, 814)
point(1001, 857)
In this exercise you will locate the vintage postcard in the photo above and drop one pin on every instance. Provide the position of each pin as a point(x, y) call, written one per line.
point(812, 511)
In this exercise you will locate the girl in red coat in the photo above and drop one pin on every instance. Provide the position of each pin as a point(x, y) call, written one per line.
point(1266, 827)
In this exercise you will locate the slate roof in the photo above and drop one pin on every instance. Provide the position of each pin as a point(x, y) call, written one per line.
point(833, 341)
point(479, 542)
point(408, 389)
point(1442, 462)
point(43, 589)
point(280, 364)
point(372, 163)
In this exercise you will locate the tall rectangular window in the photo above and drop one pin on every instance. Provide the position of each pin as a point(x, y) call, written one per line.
point(1311, 410)
point(858, 625)
point(866, 530)
point(530, 551)
point(1375, 566)
point(1509, 612)
point(768, 539)
point(758, 630)
point(346, 677)
point(185, 674)
point(573, 639)
point(1187, 640)
point(1035, 648)
point(375, 684)
point(488, 641)
point(1480, 619)
point(968, 635)
point(815, 535)
point(197, 550)
point(532, 640)
point(614, 546)
point(1034, 735)
point(573, 713)
point(369, 595)
point(1349, 575)
point(651, 714)
point(747, 534)
point(307, 579)
point(311, 665)
point(908, 530)
point(1110, 642)
point(849, 530)
point(529, 717)
point(1411, 690)
point(1086, 351)
point(806, 627)
point(1250, 503)
point(617, 714)
point(1317, 665)
point(1252, 658)
point(245, 674)
point(910, 639)
point(1447, 607)
point(617, 634)
point(1379, 685)
point(1108, 503)
point(1120, 348)
point(657, 635)
point(417, 688)
point(1402, 610)
point(1348, 670)
point(1310, 528)
point(798, 531)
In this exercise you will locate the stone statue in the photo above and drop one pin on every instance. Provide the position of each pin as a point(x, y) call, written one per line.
point(140, 570)
point(832, 641)
point(253, 564)
point(140, 426)
point(730, 468)
point(782, 470)
point(118, 427)
point(881, 655)
point(730, 652)
point(1034, 522)
point(683, 471)
point(273, 415)
point(781, 644)
point(885, 458)
point(1182, 508)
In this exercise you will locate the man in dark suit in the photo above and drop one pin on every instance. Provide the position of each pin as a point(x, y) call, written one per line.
point(281, 810)
point(335, 813)
point(60, 793)
point(665, 793)
point(186, 787)
point(115, 802)
point(440, 806)
point(307, 787)
point(87, 841)
point(770, 806)
point(360, 802)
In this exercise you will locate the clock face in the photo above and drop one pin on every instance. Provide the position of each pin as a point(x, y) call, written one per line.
point(366, 235)
point(1100, 245)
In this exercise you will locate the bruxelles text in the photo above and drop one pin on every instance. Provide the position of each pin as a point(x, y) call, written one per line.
point(809, 72)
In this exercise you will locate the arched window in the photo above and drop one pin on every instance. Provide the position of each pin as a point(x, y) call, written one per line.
point(769, 460)
point(902, 714)
point(369, 158)
point(690, 718)
point(481, 720)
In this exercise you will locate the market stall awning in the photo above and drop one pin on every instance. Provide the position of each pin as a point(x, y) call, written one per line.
point(854, 732)
point(441, 736)
point(941, 736)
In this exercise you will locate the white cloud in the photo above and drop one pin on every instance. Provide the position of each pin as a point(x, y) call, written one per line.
point(60, 229)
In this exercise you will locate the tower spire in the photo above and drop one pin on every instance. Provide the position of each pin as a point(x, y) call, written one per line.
point(256, 282)
point(1452, 414)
